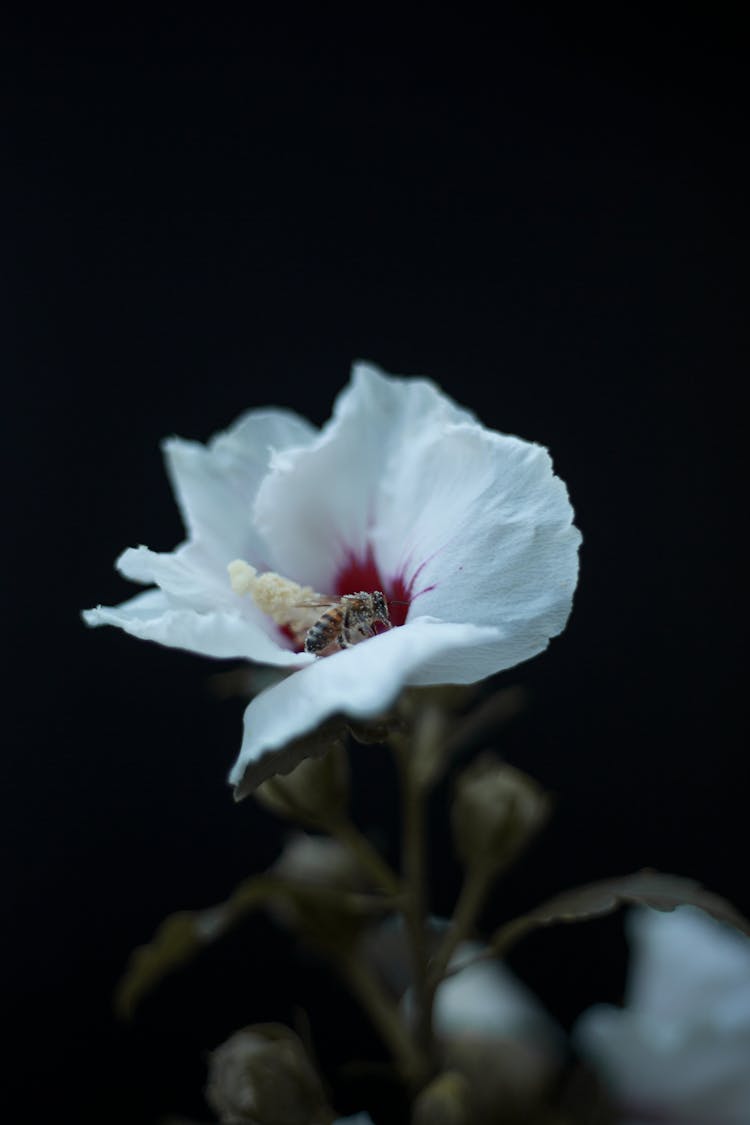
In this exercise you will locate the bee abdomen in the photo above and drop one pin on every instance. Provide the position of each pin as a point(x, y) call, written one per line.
point(320, 635)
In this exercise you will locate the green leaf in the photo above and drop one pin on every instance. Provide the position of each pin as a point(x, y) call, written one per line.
point(331, 917)
point(179, 938)
point(643, 888)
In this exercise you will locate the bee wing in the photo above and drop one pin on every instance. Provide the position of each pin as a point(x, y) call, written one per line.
point(316, 603)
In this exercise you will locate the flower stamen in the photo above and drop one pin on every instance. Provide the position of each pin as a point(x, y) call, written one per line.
point(287, 603)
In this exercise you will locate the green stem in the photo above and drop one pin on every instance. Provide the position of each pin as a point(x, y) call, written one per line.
point(348, 834)
point(477, 882)
point(371, 861)
point(415, 907)
point(508, 934)
point(386, 1017)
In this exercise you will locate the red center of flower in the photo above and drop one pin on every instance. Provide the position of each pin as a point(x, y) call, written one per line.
point(362, 574)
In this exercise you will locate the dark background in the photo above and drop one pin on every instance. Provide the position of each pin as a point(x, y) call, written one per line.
point(549, 220)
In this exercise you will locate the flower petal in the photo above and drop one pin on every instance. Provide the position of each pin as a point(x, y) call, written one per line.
point(183, 575)
point(481, 529)
point(215, 487)
point(487, 999)
point(686, 964)
point(680, 1049)
point(153, 616)
point(215, 484)
point(474, 523)
point(675, 1074)
point(362, 681)
point(316, 506)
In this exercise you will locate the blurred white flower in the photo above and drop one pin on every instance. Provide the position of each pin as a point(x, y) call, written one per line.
point(492, 1029)
point(488, 1026)
point(402, 491)
point(487, 1000)
point(678, 1053)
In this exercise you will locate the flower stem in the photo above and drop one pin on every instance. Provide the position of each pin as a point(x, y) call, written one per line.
point(476, 884)
point(363, 851)
point(344, 830)
point(386, 1017)
point(415, 906)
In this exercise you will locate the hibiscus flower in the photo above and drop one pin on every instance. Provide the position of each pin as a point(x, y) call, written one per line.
point(678, 1053)
point(467, 532)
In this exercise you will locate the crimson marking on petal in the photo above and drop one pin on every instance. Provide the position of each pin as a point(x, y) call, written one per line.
point(357, 574)
point(291, 640)
point(425, 590)
point(415, 576)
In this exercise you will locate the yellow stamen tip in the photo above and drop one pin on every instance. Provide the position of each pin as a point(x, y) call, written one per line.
point(242, 576)
point(279, 597)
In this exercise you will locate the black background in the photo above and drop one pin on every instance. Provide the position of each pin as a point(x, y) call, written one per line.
point(546, 218)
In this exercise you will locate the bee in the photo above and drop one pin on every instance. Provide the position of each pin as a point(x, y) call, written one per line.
point(350, 619)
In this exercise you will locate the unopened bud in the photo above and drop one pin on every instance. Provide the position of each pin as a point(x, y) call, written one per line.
point(446, 1101)
point(510, 1079)
point(323, 881)
point(319, 861)
point(263, 1075)
point(316, 792)
point(428, 749)
point(496, 810)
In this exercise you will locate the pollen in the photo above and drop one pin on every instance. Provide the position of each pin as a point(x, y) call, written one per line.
point(286, 602)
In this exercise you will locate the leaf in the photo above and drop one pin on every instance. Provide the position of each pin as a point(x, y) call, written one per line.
point(183, 935)
point(179, 938)
point(643, 888)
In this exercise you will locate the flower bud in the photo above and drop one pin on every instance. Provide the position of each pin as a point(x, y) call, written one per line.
point(510, 1080)
point(491, 1029)
point(323, 880)
point(496, 810)
point(428, 747)
point(446, 1101)
point(319, 861)
point(262, 1075)
point(316, 792)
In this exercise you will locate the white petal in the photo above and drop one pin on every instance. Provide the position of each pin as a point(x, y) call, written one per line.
point(215, 484)
point(485, 998)
point(153, 616)
point(361, 682)
point(151, 603)
point(483, 527)
point(686, 964)
point(317, 504)
point(475, 522)
point(687, 1075)
point(184, 575)
point(682, 1045)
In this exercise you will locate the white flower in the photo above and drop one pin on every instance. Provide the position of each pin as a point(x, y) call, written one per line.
point(401, 491)
point(679, 1052)
point(488, 1025)
point(486, 999)
point(492, 1029)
